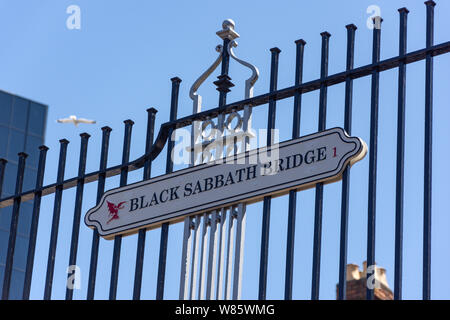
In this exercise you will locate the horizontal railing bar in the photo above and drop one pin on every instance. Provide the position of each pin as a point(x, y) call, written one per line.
point(313, 85)
point(165, 128)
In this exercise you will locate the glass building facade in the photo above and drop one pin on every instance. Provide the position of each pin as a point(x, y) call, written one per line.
point(22, 128)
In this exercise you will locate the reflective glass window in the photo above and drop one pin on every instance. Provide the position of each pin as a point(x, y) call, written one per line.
point(32, 149)
point(9, 180)
point(2, 272)
point(4, 236)
point(17, 281)
point(4, 134)
point(16, 144)
point(20, 113)
point(36, 122)
point(5, 218)
point(5, 107)
point(29, 179)
point(20, 252)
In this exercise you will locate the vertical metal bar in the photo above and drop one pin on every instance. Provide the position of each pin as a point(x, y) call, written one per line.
point(195, 250)
point(169, 168)
point(223, 86)
point(351, 28)
point(123, 181)
point(3, 163)
point(55, 220)
point(77, 211)
point(212, 256)
point(290, 241)
point(239, 251)
point(224, 78)
point(151, 117)
point(428, 154)
point(203, 260)
point(264, 249)
point(400, 157)
point(186, 259)
point(162, 261)
point(230, 249)
point(221, 253)
point(100, 190)
point(151, 113)
point(13, 228)
point(300, 49)
point(373, 150)
point(241, 217)
point(186, 254)
point(275, 52)
point(323, 88)
point(241, 220)
point(34, 223)
point(319, 187)
point(115, 267)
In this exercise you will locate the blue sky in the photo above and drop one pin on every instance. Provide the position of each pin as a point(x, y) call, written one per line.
point(119, 64)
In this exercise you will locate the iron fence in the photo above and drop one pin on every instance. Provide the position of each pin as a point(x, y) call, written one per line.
point(216, 220)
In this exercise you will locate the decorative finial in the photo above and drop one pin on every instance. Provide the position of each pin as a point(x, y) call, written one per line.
point(227, 31)
point(228, 24)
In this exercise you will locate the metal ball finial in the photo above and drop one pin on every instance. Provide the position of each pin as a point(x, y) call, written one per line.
point(228, 24)
point(227, 31)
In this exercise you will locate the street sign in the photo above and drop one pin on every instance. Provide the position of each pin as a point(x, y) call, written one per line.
point(291, 165)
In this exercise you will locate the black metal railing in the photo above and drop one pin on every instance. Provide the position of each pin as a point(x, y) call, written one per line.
point(152, 150)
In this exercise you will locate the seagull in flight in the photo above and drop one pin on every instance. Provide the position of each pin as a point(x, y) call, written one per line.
point(75, 120)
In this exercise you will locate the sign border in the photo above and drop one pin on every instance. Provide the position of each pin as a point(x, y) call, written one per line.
point(360, 151)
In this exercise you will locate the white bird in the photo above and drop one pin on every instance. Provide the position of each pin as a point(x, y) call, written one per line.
point(73, 119)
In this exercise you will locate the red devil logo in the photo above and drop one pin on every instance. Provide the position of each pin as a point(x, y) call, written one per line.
point(114, 210)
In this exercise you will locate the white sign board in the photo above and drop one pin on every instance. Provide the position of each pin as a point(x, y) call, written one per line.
point(300, 164)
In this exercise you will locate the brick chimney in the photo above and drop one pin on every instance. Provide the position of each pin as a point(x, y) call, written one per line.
point(357, 283)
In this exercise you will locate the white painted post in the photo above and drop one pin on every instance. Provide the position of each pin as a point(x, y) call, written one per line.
point(228, 279)
point(201, 280)
point(220, 268)
point(195, 248)
point(185, 259)
point(212, 256)
point(239, 251)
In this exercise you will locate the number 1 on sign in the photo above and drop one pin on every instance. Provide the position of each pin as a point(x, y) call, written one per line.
point(334, 152)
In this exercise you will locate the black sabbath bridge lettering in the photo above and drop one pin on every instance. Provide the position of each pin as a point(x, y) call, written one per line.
point(232, 177)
